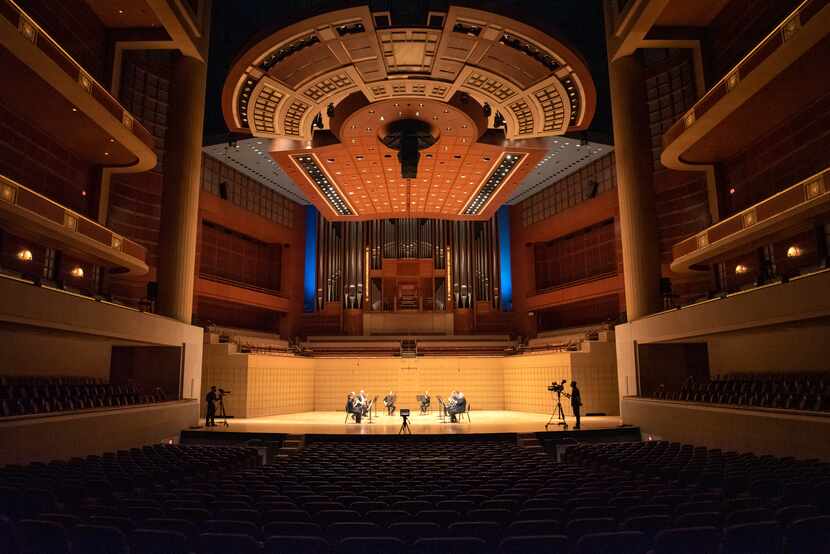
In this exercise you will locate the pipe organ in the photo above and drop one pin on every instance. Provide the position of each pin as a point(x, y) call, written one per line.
point(408, 264)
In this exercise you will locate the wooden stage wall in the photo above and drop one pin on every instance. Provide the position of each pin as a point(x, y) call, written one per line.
point(271, 385)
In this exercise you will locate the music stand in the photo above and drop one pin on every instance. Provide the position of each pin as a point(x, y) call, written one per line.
point(442, 409)
point(222, 415)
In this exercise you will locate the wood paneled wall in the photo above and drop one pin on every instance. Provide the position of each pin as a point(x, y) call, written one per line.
point(269, 385)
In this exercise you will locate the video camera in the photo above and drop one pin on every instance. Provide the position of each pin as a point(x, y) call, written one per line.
point(557, 387)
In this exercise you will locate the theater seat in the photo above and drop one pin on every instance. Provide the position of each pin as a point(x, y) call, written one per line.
point(409, 532)
point(456, 545)
point(753, 538)
point(488, 531)
point(156, 541)
point(101, 539)
point(42, 536)
point(810, 535)
point(296, 545)
point(688, 540)
point(549, 544)
point(292, 528)
point(222, 543)
point(371, 545)
point(620, 542)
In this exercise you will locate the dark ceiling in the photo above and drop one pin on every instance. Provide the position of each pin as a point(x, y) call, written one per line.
point(237, 23)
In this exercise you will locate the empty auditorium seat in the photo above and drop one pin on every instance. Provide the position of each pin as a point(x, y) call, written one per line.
point(688, 540)
point(753, 538)
point(156, 541)
point(296, 545)
point(620, 542)
point(550, 544)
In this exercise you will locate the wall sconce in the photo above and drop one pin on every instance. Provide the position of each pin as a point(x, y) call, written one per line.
point(25, 255)
point(740, 269)
point(793, 251)
point(531, 314)
point(77, 272)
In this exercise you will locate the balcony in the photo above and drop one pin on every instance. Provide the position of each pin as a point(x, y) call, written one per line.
point(777, 217)
point(774, 81)
point(57, 95)
point(33, 216)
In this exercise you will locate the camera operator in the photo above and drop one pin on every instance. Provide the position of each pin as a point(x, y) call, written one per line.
point(576, 402)
point(211, 399)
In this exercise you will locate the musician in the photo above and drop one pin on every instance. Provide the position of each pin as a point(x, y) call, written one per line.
point(576, 402)
point(456, 405)
point(425, 401)
point(211, 399)
point(353, 408)
point(389, 402)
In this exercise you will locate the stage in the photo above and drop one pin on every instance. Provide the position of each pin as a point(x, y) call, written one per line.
point(481, 422)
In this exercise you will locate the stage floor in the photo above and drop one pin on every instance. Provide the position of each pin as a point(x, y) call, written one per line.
point(332, 423)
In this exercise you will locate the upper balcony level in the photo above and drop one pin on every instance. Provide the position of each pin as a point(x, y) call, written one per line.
point(54, 92)
point(774, 81)
point(30, 216)
point(779, 217)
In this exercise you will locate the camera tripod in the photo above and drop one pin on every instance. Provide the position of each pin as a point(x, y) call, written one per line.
point(405, 430)
point(222, 415)
point(558, 413)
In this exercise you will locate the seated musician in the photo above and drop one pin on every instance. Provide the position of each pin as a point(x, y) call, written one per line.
point(363, 402)
point(456, 405)
point(389, 402)
point(425, 401)
point(353, 407)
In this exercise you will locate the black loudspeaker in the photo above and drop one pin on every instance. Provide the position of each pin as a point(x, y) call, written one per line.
point(152, 291)
point(223, 190)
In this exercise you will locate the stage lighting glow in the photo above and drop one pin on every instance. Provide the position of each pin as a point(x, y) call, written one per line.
point(77, 272)
point(741, 269)
point(24, 255)
point(793, 251)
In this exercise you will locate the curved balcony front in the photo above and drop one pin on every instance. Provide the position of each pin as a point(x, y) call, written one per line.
point(782, 215)
point(30, 214)
point(58, 96)
point(782, 74)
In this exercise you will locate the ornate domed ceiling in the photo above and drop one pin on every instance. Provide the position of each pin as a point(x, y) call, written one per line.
point(374, 121)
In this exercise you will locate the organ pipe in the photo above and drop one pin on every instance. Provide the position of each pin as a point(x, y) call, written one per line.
point(348, 251)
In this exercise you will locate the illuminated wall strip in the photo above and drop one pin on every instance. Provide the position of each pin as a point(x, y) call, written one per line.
point(449, 277)
point(310, 275)
point(505, 268)
point(366, 272)
point(322, 182)
point(490, 187)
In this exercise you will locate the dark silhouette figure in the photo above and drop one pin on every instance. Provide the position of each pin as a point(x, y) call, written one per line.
point(576, 402)
point(211, 399)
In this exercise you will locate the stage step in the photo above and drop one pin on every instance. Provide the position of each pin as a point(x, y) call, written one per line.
point(528, 440)
point(291, 446)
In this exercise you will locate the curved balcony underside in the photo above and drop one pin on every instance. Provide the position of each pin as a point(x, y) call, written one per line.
point(57, 96)
point(758, 95)
point(780, 216)
point(31, 215)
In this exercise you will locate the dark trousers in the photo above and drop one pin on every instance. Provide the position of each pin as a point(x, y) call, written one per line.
point(390, 410)
point(211, 414)
point(576, 415)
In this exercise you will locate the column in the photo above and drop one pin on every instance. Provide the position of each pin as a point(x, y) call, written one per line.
point(180, 198)
point(638, 217)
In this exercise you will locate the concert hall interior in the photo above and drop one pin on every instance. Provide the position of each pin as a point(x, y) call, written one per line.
point(415, 275)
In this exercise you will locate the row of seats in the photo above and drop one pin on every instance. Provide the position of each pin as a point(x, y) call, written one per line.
point(809, 392)
point(37, 395)
point(383, 495)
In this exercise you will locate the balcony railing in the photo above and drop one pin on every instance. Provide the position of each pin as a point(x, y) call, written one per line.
point(780, 210)
point(783, 32)
point(43, 216)
point(34, 33)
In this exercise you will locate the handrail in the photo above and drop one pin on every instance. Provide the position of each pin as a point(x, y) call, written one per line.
point(23, 197)
point(32, 31)
point(240, 284)
point(802, 192)
point(778, 36)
